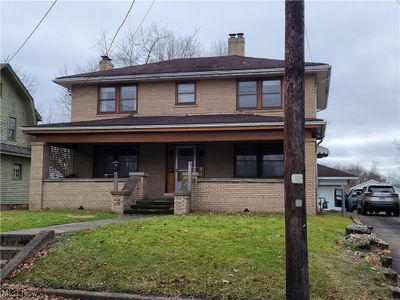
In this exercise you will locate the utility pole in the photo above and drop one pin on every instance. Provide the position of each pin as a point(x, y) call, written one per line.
point(294, 165)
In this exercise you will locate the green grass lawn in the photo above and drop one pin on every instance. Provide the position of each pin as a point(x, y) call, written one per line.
point(211, 256)
point(11, 220)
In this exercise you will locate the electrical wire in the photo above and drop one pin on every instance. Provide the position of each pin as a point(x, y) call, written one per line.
point(137, 29)
point(120, 26)
point(144, 17)
point(33, 31)
point(308, 44)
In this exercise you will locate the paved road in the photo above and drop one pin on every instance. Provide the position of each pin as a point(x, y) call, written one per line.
point(387, 228)
point(77, 226)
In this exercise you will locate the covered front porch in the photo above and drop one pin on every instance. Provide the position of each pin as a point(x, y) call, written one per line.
point(234, 169)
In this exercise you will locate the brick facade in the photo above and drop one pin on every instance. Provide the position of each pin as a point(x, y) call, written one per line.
point(218, 191)
point(158, 99)
point(91, 194)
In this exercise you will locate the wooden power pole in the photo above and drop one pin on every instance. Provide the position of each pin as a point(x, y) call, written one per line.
point(294, 164)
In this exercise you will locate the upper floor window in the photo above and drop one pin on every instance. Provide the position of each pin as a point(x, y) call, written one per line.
point(11, 129)
point(247, 93)
point(107, 99)
point(17, 171)
point(186, 93)
point(118, 99)
point(259, 94)
point(271, 93)
point(128, 98)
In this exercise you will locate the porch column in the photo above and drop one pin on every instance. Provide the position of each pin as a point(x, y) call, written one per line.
point(39, 171)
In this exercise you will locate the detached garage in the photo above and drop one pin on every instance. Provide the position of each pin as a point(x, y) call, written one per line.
point(330, 186)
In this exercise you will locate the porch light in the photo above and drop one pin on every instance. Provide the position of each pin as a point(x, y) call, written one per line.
point(115, 165)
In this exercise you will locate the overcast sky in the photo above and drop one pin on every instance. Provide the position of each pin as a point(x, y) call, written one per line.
point(360, 39)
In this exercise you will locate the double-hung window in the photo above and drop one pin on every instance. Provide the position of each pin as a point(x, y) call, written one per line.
point(118, 99)
point(107, 99)
point(186, 93)
point(259, 94)
point(271, 93)
point(11, 128)
point(17, 171)
point(247, 94)
point(128, 98)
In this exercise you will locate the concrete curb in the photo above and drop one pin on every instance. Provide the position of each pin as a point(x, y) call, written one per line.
point(35, 245)
point(87, 295)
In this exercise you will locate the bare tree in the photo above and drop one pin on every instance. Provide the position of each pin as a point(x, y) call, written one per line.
point(30, 81)
point(149, 44)
point(218, 48)
point(361, 172)
point(102, 43)
point(64, 98)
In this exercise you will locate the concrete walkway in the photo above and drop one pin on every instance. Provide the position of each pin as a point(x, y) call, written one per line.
point(76, 226)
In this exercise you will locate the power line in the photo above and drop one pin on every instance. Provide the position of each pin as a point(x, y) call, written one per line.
point(144, 17)
point(33, 31)
point(308, 43)
point(137, 29)
point(120, 26)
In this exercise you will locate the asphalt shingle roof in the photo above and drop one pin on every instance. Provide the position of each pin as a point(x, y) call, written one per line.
point(324, 171)
point(197, 64)
point(173, 120)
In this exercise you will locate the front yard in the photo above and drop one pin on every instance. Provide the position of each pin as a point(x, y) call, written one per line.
point(212, 256)
point(11, 220)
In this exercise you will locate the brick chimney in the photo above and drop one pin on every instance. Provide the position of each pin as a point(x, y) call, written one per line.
point(105, 63)
point(236, 44)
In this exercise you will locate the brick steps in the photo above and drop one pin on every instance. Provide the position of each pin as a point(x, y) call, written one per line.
point(153, 205)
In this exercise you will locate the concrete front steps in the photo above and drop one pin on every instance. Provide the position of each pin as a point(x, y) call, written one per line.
point(11, 244)
point(17, 248)
point(153, 205)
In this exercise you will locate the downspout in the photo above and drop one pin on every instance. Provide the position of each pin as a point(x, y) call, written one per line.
point(316, 173)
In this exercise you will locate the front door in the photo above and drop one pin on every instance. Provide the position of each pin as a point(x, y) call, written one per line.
point(184, 154)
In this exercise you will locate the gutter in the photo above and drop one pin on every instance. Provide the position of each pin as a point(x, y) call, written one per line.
point(183, 126)
point(339, 177)
point(187, 75)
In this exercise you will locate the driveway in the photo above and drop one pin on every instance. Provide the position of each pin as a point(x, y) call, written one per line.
point(387, 228)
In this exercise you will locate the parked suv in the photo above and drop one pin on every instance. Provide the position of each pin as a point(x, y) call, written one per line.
point(352, 200)
point(377, 198)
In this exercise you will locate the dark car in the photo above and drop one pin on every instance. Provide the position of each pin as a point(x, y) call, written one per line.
point(377, 198)
point(352, 200)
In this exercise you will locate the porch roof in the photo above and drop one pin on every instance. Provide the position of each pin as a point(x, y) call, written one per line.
point(223, 124)
point(133, 122)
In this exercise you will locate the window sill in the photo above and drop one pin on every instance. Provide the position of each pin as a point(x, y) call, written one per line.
point(185, 105)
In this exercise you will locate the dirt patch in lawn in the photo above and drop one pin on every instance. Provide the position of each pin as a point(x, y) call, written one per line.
point(79, 217)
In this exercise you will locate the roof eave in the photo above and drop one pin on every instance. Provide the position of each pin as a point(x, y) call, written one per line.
point(38, 130)
point(322, 86)
point(69, 82)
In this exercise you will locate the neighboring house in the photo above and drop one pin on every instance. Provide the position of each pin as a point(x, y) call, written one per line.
point(330, 185)
point(372, 182)
point(225, 114)
point(17, 110)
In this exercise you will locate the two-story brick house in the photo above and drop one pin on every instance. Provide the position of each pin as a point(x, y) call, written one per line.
point(225, 114)
point(17, 109)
